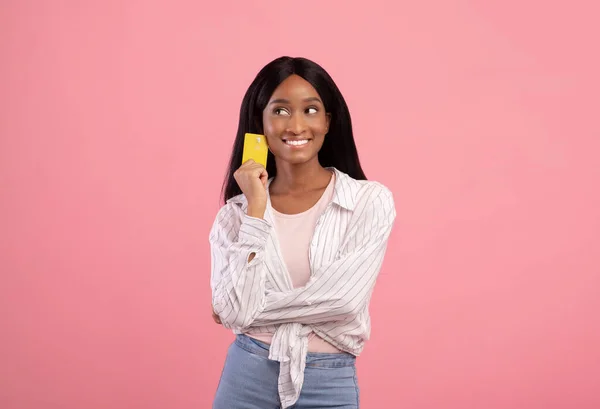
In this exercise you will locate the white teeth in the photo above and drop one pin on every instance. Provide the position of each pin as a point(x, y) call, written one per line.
point(297, 143)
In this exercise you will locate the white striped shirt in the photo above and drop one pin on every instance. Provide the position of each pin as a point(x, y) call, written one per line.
point(346, 252)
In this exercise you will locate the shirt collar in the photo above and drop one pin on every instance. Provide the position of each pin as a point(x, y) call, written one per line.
point(344, 192)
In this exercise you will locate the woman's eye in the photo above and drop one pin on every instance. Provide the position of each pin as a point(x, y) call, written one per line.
point(311, 110)
point(281, 111)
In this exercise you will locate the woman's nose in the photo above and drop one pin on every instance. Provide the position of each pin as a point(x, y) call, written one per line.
point(296, 124)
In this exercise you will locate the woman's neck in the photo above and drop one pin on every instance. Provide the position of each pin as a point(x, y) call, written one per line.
point(292, 179)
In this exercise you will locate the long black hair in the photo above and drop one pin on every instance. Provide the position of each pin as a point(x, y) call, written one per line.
point(338, 150)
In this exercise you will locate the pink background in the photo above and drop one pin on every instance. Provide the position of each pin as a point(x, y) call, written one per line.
point(116, 122)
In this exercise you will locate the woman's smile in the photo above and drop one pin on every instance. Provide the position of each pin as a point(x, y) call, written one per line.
point(297, 143)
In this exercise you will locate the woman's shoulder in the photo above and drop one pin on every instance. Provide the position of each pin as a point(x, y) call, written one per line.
point(363, 190)
point(233, 209)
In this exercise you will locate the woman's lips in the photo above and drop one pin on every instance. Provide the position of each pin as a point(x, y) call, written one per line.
point(296, 143)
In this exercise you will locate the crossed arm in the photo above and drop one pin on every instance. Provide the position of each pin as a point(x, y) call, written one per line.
point(336, 292)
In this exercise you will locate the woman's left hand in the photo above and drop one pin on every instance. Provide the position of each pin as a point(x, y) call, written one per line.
point(215, 317)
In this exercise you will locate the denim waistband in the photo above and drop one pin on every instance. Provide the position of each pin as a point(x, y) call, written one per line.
point(313, 359)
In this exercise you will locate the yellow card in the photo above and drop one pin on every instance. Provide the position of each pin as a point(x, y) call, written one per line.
point(255, 148)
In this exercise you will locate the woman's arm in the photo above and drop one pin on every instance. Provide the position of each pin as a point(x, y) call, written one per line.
point(237, 243)
point(341, 289)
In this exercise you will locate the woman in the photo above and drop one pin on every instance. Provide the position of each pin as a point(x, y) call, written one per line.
point(297, 247)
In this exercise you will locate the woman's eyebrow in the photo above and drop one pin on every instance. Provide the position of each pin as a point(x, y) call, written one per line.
point(285, 101)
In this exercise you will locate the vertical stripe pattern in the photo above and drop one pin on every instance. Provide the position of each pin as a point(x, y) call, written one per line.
point(346, 253)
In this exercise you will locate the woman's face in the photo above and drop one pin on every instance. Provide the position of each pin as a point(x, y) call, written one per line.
point(295, 121)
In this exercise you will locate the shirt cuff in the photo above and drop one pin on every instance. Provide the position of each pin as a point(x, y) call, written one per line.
point(255, 230)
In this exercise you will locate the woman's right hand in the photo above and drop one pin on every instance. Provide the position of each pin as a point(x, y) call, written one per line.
point(252, 179)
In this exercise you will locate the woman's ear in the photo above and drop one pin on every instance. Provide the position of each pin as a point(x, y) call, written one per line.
point(328, 115)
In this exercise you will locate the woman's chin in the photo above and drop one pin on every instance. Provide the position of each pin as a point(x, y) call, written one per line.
point(297, 158)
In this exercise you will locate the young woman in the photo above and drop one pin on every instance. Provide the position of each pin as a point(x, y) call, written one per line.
point(296, 248)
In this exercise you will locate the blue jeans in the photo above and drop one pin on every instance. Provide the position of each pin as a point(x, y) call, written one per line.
point(249, 379)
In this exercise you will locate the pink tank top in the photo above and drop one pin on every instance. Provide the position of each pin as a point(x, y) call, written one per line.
point(295, 232)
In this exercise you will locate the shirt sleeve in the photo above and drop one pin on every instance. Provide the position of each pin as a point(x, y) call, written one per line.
point(340, 290)
point(238, 285)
